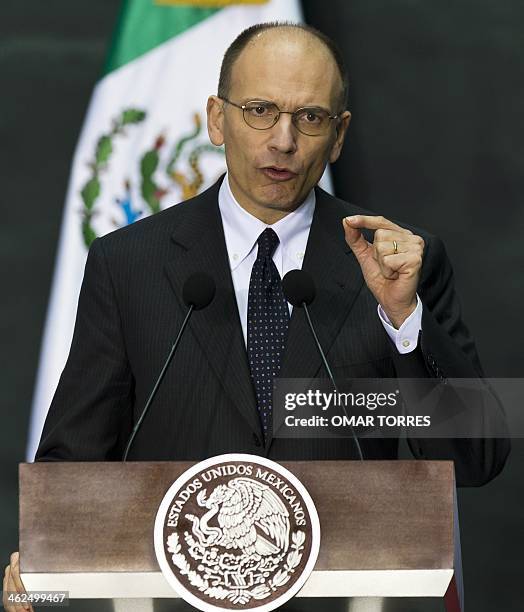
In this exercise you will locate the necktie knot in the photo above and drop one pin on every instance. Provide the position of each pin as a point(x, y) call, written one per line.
point(267, 243)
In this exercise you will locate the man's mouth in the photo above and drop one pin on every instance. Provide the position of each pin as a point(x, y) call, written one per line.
point(278, 174)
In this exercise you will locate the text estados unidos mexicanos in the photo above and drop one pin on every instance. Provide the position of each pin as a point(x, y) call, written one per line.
point(287, 492)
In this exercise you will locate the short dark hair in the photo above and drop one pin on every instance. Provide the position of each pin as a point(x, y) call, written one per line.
point(242, 40)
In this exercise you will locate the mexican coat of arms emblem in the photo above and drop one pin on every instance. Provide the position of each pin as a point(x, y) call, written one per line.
point(237, 532)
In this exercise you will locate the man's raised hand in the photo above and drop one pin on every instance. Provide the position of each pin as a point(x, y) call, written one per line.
point(390, 265)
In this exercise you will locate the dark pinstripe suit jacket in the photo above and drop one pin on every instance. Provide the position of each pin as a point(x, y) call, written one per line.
point(130, 310)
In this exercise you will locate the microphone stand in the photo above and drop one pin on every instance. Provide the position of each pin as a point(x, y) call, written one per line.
point(331, 377)
point(158, 382)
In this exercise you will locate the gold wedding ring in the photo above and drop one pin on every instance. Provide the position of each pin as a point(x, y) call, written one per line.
point(395, 247)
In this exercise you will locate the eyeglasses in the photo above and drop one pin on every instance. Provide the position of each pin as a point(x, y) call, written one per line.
point(263, 115)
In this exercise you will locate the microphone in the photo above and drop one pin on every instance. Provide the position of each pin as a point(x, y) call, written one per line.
point(197, 293)
point(299, 290)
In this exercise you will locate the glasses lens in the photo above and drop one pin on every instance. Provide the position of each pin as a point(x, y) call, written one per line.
point(311, 121)
point(261, 115)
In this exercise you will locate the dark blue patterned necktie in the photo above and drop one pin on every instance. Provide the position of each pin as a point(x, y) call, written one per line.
point(267, 325)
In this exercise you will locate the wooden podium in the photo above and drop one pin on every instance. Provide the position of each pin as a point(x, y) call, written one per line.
point(387, 528)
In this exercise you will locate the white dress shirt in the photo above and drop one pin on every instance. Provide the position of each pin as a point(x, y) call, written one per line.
point(241, 231)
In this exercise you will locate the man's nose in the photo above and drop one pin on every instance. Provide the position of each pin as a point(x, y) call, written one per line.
point(283, 135)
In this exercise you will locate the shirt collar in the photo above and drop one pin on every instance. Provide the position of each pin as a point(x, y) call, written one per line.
point(242, 229)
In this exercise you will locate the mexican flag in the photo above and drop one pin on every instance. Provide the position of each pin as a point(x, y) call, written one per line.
point(144, 143)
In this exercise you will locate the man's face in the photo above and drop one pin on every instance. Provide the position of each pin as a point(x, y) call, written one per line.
point(271, 171)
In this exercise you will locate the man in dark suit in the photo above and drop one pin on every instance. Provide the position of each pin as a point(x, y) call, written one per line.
point(210, 402)
point(385, 305)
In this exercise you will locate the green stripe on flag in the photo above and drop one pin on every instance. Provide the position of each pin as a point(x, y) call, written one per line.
point(143, 25)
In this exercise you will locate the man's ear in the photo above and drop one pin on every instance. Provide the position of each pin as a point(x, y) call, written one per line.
point(215, 120)
point(342, 127)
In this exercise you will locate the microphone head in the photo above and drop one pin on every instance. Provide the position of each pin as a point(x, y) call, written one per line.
point(299, 288)
point(199, 290)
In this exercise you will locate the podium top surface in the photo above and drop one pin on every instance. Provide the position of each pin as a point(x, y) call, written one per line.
point(99, 517)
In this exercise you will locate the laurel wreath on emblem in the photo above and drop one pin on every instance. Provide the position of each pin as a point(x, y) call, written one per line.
point(151, 191)
point(237, 595)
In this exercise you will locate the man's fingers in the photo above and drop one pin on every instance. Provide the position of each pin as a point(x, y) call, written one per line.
point(393, 234)
point(5, 589)
point(381, 249)
point(8, 589)
point(14, 583)
point(373, 222)
point(389, 238)
point(402, 263)
point(392, 242)
point(355, 240)
point(15, 572)
point(388, 271)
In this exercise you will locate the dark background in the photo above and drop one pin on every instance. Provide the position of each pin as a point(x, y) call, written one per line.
point(436, 140)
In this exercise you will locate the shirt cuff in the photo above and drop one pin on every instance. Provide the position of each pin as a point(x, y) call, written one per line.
point(406, 337)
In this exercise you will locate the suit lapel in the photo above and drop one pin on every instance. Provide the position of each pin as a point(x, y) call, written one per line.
point(338, 281)
point(200, 246)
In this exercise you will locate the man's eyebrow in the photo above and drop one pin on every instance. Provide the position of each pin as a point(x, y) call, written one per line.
point(261, 99)
point(258, 99)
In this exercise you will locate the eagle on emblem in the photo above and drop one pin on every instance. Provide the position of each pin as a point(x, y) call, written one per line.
point(248, 516)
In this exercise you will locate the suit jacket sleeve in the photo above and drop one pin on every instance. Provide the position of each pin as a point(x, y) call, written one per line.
point(90, 415)
point(446, 350)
